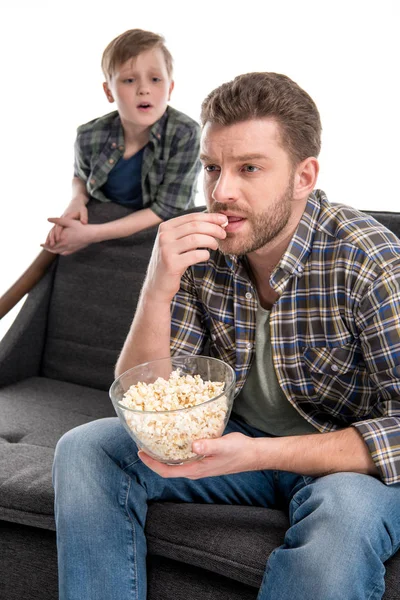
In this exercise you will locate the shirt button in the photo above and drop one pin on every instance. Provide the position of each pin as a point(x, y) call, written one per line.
point(300, 269)
point(159, 136)
point(113, 145)
point(213, 337)
point(335, 368)
point(92, 181)
point(111, 161)
point(249, 346)
point(121, 148)
point(248, 295)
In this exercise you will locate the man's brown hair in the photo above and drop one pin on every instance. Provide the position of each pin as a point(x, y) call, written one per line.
point(130, 44)
point(260, 95)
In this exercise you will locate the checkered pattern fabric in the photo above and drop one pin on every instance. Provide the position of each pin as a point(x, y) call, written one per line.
point(170, 162)
point(335, 329)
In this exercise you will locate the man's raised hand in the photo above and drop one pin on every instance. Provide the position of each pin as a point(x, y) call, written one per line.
point(180, 243)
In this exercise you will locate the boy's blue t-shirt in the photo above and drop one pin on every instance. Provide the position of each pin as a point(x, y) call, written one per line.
point(124, 183)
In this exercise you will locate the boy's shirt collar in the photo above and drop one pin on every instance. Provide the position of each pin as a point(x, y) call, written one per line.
point(117, 139)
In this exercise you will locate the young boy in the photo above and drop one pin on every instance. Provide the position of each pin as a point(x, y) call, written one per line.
point(143, 156)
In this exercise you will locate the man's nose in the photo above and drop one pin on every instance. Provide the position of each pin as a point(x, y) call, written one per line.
point(225, 189)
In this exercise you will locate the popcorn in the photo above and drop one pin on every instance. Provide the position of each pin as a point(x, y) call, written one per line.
point(168, 431)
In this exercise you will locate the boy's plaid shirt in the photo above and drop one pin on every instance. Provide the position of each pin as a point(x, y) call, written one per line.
point(335, 330)
point(170, 166)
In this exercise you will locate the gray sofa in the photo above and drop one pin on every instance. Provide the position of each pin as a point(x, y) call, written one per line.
point(56, 365)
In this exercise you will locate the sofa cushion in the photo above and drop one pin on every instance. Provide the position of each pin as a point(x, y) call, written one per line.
point(35, 413)
point(234, 541)
point(172, 580)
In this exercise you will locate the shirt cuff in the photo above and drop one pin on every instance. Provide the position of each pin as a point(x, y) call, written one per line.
point(382, 437)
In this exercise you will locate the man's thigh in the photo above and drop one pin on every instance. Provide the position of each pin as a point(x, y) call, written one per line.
point(250, 488)
point(359, 505)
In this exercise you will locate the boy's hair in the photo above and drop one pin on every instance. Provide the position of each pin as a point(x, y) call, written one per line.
point(260, 95)
point(130, 44)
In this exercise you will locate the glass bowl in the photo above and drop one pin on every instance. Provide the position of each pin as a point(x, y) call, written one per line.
point(165, 432)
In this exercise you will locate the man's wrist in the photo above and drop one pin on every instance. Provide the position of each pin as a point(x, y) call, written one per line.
point(152, 296)
point(265, 451)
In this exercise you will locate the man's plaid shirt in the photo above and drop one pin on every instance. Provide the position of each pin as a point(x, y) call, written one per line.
point(335, 329)
point(170, 166)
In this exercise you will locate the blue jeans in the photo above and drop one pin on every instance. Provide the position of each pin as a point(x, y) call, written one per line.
point(342, 526)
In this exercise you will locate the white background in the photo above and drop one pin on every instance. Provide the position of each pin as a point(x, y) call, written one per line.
point(344, 53)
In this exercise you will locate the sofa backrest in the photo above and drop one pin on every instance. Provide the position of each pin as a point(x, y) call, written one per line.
point(391, 220)
point(94, 296)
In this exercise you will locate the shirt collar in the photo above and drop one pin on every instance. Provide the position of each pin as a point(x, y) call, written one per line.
point(296, 254)
point(117, 133)
point(156, 132)
point(295, 257)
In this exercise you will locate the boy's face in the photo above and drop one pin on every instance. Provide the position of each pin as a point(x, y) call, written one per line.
point(141, 88)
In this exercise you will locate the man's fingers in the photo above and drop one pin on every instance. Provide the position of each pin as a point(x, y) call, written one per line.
point(201, 217)
point(188, 243)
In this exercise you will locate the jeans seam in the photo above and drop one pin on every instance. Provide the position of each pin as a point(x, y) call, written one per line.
point(372, 594)
point(134, 462)
point(135, 590)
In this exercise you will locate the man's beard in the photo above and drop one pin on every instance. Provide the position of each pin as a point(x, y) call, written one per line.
point(265, 226)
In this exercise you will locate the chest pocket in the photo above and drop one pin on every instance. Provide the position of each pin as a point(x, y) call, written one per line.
point(340, 380)
point(334, 361)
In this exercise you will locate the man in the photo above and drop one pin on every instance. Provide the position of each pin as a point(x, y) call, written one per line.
point(301, 297)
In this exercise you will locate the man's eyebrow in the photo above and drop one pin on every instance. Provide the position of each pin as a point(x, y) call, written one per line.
point(251, 156)
point(240, 158)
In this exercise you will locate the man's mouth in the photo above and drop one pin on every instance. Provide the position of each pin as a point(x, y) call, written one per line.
point(234, 223)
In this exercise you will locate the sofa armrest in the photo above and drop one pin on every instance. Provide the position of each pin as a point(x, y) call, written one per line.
point(22, 346)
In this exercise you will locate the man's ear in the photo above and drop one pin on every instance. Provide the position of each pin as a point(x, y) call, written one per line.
point(107, 92)
point(305, 178)
point(171, 87)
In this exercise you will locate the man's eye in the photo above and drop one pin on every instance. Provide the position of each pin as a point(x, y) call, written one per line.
point(251, 168)
point(156, 79)
point(210, 168)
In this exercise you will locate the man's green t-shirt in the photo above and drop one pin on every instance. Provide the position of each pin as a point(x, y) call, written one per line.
point(262, 403)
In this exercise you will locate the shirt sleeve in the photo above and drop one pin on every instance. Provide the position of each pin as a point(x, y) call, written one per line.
point(380, 339)
point(81, 158)
point(188, 333)
point(178, 189)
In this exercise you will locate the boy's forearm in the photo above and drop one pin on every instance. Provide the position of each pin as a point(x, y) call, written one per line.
point(137, 221)
point(79, 190)
point(149, 335)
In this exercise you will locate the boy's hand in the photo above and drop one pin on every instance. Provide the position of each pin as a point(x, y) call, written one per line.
point(75, 210)
point(74, 236)
point(180, 243)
